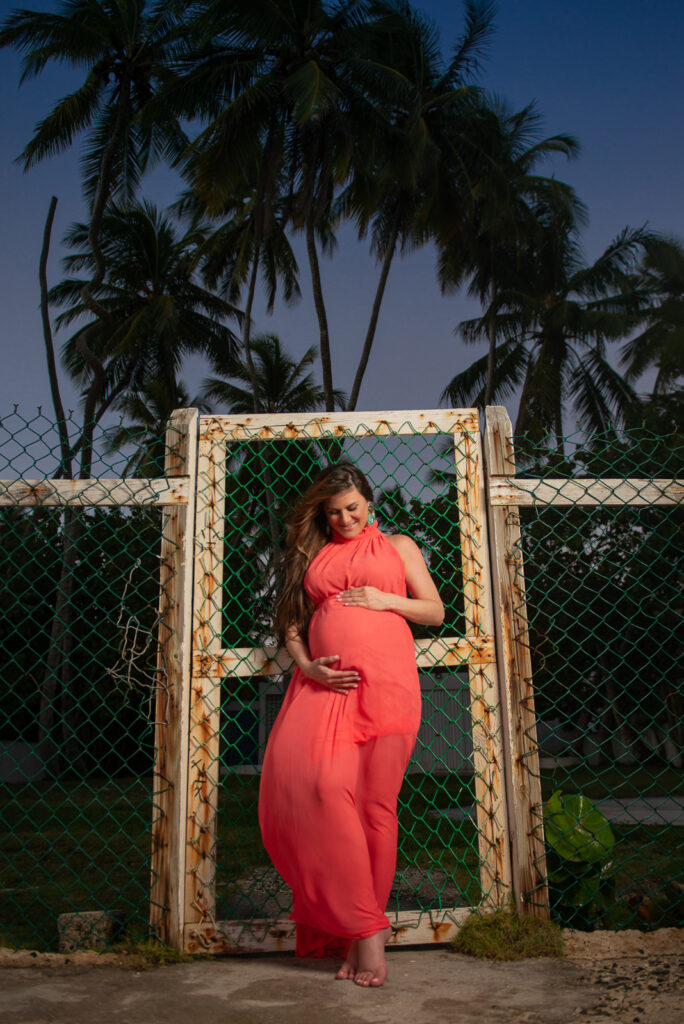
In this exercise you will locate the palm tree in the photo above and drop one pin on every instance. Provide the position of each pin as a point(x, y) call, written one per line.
point(284, 385)
point(500, 156)
point(249, 237)
point(157, 310)
point(405, 183)
point(554, 322)
point(660, 276)
point(282, 85)
point(124, 47)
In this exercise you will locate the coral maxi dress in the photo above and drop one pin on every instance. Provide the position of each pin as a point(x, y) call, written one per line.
point(334, 763)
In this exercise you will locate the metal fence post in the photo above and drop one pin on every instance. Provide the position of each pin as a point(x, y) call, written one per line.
point(173, 686)
point(521, 758)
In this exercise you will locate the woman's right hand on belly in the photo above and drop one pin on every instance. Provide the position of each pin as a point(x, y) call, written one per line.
point(338, 680)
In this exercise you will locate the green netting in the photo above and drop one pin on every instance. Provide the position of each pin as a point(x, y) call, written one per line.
point(78, 649)
point(604, 601)
point(414, 481)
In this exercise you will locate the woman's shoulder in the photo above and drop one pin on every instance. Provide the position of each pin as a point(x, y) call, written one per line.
point(402, 543)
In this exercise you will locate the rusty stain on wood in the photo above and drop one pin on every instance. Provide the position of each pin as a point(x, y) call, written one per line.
point(444, 931)
point(379, 424)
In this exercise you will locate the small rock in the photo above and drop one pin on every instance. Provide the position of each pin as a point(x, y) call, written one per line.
point(89, 929)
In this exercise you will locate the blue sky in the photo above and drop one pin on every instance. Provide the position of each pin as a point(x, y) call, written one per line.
point(610, 73)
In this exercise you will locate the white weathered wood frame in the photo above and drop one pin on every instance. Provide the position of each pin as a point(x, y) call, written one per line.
point(509, 491)
point(488, 760)
point(169, 787)
point(212, 663)
point(205, 690)
point(523, 782)
point(100, 491)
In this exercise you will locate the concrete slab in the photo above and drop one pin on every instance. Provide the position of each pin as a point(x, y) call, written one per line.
point(425, 987)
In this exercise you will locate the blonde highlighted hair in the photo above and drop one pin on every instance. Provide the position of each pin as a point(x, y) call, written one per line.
point(308, 532)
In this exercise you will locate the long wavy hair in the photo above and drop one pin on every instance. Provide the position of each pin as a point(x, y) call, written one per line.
point(308, 531)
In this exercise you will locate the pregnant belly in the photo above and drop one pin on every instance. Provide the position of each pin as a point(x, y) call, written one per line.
point(365, 640)
point(379, 645)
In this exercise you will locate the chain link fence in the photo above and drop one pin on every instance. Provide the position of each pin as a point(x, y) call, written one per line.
point(95, 780)
point(603, 575)
point(78, 649)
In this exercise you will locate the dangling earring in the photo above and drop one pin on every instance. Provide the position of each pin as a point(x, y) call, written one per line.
point(371, 513)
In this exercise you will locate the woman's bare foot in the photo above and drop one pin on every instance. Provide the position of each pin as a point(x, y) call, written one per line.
point(347, 971)
point(372, 966)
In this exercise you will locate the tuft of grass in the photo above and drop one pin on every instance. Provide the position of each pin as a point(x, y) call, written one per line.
point(503, 935)
point(148, 953)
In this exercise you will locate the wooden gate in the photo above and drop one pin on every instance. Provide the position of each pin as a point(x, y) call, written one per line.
point(212, 890)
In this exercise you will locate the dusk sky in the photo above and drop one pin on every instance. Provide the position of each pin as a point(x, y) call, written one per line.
point(609, 72)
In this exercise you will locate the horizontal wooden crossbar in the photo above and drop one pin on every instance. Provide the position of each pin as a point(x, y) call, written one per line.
point(265, 426)
point(507, 490)
point(447, 652)
point(408, 928)
point(98, 491)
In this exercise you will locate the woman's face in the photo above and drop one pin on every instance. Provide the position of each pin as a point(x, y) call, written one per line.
point(347, 512)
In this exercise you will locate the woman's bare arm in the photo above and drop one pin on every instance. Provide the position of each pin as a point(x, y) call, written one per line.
point(318, 669)
point(424, 606)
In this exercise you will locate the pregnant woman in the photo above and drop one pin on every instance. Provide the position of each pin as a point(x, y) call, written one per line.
point(339, 748)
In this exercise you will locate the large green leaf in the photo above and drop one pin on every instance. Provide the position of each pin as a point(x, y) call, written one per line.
point(576, 829)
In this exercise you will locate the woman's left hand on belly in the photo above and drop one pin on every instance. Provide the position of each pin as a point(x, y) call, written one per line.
point(366, 597)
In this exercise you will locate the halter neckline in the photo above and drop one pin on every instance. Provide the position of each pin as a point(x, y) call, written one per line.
point(368, 528)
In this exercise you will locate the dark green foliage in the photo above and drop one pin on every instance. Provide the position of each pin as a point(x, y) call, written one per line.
point(580, 869)
point(102, 723)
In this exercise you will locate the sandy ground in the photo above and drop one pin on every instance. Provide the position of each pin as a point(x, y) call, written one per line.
point(631, 977)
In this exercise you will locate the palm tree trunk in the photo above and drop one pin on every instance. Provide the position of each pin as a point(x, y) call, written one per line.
point(558, 424)
point(522, 418)
point(491, 355)
point(375, 313)
point(247, 332)
point(63, 433)
point(326, 362)
point(57, 659)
